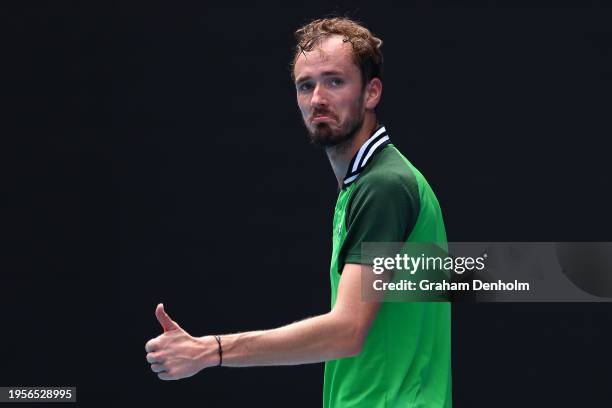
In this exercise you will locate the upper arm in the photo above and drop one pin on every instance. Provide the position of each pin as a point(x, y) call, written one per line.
point(355, 313)
point(384, 209)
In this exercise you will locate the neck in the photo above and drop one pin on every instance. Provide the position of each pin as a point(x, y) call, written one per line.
point(340, 155)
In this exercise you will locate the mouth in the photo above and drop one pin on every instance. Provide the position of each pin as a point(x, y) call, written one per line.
point(321, 118)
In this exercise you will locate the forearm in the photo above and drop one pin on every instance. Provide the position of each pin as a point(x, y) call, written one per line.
point(340, 333)
point(320, 338)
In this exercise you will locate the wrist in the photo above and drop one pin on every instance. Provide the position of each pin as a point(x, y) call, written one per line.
point(209, 357)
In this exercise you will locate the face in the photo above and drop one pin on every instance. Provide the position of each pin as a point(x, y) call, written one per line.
point(330, 92)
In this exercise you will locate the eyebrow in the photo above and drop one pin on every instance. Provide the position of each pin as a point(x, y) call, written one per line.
point(326, 73)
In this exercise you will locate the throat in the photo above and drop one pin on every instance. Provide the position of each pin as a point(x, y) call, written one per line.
point(339, 157)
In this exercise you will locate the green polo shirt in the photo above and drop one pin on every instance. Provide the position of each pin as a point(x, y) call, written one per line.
point(405, 361)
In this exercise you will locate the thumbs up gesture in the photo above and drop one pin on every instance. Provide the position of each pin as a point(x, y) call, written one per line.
point(175, 354)
point(166, 322)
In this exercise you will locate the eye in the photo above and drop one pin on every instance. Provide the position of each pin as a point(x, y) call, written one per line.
point(336, 82)
point(304, 87)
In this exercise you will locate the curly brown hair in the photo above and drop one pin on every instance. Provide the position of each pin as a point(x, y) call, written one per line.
point(366, 47)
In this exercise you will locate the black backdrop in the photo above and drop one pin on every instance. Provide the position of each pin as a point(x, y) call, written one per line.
point(155, 153)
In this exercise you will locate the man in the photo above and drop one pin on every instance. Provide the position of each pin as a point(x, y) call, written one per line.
point(377, 354)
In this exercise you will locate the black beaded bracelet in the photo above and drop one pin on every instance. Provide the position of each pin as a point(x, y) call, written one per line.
point(218, 338)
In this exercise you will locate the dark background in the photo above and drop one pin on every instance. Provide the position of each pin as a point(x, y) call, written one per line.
point(155, 153)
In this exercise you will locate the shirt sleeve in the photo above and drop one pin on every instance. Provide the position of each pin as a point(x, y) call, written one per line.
point(381, 209)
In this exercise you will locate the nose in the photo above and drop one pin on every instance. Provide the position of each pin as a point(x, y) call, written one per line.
point(318, 97)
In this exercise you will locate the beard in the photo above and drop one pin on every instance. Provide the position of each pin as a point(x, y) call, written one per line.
point(323, 135)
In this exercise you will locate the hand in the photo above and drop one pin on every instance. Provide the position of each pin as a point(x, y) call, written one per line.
point(175, 354)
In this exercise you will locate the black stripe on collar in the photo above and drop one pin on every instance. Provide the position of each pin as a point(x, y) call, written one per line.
point(364, 155)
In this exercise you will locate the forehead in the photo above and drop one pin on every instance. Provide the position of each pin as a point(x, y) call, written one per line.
point(333, 54)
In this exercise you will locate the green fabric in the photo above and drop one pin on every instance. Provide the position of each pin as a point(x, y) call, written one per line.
point(406, 360)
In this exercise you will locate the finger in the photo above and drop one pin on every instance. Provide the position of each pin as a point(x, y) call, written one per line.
point(165, 375)
point(162, 317)
point(158, 368)
point(151, 346)
point(154, 358)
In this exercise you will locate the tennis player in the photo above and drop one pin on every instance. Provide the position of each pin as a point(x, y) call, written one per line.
point(376, 354)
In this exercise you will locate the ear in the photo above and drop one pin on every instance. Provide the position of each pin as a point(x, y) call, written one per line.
point(373, 92)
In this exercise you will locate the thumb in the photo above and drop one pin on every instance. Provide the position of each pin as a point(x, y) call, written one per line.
point(162, 317)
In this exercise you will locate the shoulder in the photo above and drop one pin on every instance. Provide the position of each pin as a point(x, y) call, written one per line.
point(388, 177)
point(384, 203)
